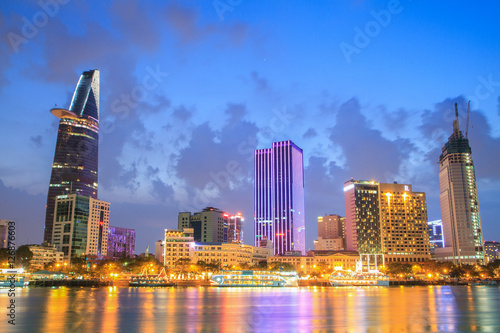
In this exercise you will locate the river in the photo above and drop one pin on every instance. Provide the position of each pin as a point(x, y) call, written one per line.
point(212, 309)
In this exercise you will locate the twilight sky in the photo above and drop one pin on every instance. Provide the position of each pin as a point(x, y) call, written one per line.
point(190, 88)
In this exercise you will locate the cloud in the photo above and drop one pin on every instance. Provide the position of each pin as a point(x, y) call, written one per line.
point(136, 22)
point(36, 141)
point(186, 23)
point(260, 83)
point(310, 133)
point(182, 113)
point(211, 168)
point(235, 113)
point(368, 154)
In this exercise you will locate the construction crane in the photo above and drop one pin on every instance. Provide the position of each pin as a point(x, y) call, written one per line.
point(467, 124)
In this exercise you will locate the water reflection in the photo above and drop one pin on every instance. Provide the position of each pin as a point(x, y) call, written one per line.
point(373, 309)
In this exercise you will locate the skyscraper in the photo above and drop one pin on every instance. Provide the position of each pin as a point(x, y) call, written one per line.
point(388, 219)
point(463, 236)
point(279, 197)
point(75, 160)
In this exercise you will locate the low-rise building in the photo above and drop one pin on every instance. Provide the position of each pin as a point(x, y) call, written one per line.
point(335, 244)
point(44, 254)
point(315, 260)
point(491, 251)
point(181, 245)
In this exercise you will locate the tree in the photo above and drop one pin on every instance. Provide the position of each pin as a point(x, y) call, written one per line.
point(24, 256)
point(397, 268)
point(4, 257)
point(282, 266)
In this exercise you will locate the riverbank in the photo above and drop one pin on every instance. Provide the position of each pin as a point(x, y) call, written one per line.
point(197, 283)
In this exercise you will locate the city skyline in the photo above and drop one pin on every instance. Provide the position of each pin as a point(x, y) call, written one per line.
point(189, 91)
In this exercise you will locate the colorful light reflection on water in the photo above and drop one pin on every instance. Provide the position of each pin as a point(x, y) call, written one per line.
point(373, 309)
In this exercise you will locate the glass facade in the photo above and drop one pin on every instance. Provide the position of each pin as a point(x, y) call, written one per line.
point(279, 197)
point(75, 166)
point(80, 226)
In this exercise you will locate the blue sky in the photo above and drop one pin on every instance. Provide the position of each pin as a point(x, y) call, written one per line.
point(209, 81)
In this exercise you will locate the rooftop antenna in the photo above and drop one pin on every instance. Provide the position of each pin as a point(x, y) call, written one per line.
point(467, 126)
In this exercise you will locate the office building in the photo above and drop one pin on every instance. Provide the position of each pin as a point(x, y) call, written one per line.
point(121, 242)
point(209, 225)
point(76, 155)
point(491, 251)
point(463, 235)
point(279, 197)
point(388, 219)
point(80, 226)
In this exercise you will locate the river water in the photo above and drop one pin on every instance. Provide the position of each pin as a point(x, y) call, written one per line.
point(212, 309)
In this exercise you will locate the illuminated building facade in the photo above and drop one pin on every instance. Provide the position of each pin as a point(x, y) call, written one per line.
point(403, 217)
point(362, 220)
point(319, 261)
point(436, 240)
point(463, 235)
point(235, 229)
point(209, 225)
point(76, 155)
point(177, 245)
point(491, 251)
point(44, 254)
point(279, 197)
point(121, 242)
point(388, 219)
point(331, 226)
point(80, 226)
point(180, 244)
point(331, 233)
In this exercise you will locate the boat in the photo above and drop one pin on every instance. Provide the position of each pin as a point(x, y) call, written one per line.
point(366, 274)
point(146, 280)
point(247, 278)
point(348, 278)
point(484, 283)
point(14, 276)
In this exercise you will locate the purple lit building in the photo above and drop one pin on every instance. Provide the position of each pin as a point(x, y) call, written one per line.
point(279, 197)
point(121, 242)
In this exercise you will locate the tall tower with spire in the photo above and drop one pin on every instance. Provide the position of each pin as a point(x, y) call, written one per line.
point(462, 231)
point(75, 160)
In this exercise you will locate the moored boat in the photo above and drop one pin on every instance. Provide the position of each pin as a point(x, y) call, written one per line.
point(13, 278)
point(346, 278)
point(247, 278)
